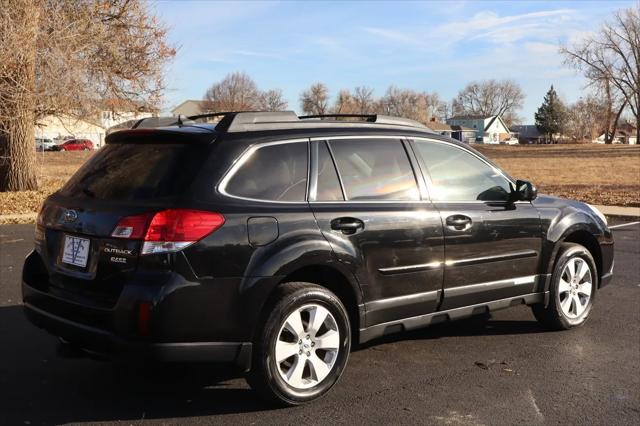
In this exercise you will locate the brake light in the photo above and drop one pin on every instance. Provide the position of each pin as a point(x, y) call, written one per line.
point(168, 230)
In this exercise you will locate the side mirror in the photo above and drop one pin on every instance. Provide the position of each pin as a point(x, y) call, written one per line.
point(524, 191)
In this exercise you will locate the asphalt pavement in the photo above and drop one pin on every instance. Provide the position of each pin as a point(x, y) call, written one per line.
point(501, 370)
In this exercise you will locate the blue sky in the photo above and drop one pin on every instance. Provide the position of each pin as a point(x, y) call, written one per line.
point(432, 46)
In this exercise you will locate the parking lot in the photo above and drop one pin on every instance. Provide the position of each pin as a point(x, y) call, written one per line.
point(502, 370)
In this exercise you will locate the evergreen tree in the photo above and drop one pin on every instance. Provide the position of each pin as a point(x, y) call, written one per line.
point(550, 117)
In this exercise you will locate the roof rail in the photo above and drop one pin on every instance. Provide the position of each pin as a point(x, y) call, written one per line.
point(246, 121)
point(370, 118)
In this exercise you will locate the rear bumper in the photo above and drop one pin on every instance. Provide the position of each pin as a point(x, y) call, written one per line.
point(99, 341)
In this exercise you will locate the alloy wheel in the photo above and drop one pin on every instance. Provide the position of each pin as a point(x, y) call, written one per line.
point(307, 346)
point(574, 289)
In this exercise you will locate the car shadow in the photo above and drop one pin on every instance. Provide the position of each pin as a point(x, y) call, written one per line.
point(37, 386)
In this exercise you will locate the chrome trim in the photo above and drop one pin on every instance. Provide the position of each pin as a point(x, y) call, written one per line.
point(409, 268)
point(394, 302)
point(495, 258)
point(329, 138)
point(222, 186)
point(488, 286)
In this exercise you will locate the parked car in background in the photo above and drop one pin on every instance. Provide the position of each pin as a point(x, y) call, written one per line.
point(75, 145)
point(45, 144)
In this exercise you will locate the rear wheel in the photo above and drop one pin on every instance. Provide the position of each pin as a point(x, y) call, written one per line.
point(303, 347)
point(572, 290)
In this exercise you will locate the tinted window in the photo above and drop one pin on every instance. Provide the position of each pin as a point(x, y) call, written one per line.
point(137, 171)
point(328, 183)
point(273, 172)
point(457, 175)
point(374, 169)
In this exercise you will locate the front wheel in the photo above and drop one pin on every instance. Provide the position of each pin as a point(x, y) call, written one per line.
point(303, 347)
point(572, 290)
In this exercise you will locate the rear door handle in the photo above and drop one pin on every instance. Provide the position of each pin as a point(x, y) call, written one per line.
point(348, 225)
point(459, 222)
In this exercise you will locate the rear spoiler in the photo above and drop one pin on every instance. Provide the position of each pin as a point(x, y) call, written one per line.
point(167, 135)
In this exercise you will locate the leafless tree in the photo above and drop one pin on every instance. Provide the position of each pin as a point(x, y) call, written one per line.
point(364, 100)
point(490, 97)
point(272, 100)
point(419, 106)
point(236, 92)
point(315, 100)
point(345, 104)
point(611, 57)
point(66, 57)
point(586, 118)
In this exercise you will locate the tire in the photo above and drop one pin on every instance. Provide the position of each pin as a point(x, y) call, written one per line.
point(570, 300)
point(314, 365)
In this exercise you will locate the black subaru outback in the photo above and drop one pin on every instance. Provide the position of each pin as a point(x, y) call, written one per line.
point(275, 242)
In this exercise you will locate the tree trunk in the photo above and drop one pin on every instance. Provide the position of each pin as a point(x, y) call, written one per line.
point(614, 128)
point(17, 135)
point(607, 134)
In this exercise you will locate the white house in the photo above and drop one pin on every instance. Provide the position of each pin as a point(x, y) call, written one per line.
point(112, 113)
point(460, 133)
point(625, 133)
point(58, 128)
point(190, 107)
point(488, 129)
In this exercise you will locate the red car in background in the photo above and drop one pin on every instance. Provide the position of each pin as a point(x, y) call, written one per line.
point(75, 145)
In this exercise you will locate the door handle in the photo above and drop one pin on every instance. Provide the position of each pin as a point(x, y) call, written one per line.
point(348, 225)
point(459, 222)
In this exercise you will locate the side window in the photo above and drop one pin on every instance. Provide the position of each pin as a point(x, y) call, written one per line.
point(457, 175)
point(328, 184)
point(375, 169)
point(272, 173)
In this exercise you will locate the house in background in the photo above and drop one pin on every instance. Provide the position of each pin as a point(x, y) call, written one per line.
point(625, 133)
point(461, 133)
point(527, 133)
point(111, 114)
point(488, 129)
point(59, 128)
point(117, 111)
point(190, 107)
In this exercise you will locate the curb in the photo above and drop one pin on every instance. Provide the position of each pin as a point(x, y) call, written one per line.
point(619, 211)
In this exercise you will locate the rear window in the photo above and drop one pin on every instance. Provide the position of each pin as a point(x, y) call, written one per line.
point(137, 172)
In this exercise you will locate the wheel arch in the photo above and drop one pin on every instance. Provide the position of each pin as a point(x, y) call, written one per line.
point(338, 281)
point(579, 235)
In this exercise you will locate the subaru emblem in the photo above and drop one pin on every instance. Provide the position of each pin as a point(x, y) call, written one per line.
point(70, 216)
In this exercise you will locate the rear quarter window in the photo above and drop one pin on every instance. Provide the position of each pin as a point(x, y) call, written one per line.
point(137, 171)
point(274, 172)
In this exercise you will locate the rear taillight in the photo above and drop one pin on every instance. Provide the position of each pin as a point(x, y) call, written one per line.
point(168, 230)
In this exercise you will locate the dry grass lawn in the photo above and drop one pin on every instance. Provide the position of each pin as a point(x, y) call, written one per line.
point(598, 174)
